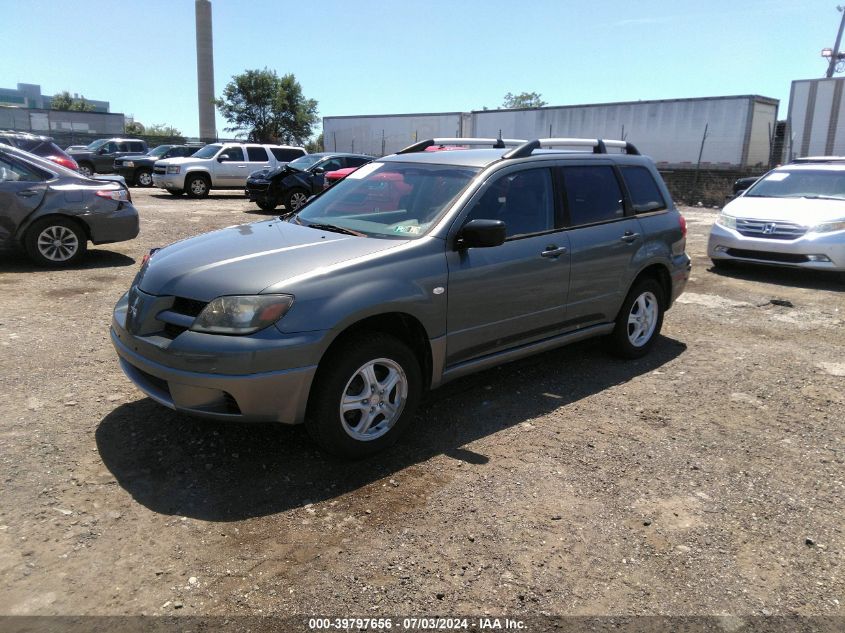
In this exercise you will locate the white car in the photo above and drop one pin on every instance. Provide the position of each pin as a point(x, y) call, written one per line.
point(220, 166)
point(793, 216)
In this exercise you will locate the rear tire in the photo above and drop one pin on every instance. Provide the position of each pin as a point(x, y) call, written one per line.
point(144, 178)
point(364, 395)
point(639, 320)
point(197, 186)
point(86, 169)
point(175, 192)
point(55, 242)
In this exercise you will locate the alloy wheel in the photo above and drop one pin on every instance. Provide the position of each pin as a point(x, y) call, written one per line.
point(373, 399)
point(57, 243)
point(642, 319)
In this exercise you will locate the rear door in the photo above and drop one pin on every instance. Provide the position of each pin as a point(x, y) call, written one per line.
point(507, 295)
point(22, 188)
point(604, 237)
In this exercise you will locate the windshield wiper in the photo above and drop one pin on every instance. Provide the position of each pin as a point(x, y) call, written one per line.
point(822, 198)
point(336, 229)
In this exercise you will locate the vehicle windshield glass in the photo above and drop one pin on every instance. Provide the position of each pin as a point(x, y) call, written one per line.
point(208, 151)
point(800, 183)
point(160, 150)
point(95, 145)
point(389, 200)
point(304, 162)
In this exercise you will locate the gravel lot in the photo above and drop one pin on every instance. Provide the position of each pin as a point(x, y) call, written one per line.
point(705, 479)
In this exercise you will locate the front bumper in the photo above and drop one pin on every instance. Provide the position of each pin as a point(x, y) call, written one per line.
point(128, 173)
point(169, 181)
point(816, 251)
point(202, 374)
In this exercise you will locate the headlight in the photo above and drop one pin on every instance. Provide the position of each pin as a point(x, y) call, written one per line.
point(828, 227)
point(728, 221)
point(173, 169)
point(242, 314)
point(129, 163)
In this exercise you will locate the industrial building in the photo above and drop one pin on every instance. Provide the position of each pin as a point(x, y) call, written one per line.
point(29, 96)
point(727, 132)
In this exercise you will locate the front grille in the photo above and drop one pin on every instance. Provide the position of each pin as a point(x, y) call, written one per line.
point(767, 229)
point(180, 316)
point(161, 171)
point(787, 258)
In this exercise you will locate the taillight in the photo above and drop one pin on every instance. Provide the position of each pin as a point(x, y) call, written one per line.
point(65, 161)
point(119, 195)
point(683, 221)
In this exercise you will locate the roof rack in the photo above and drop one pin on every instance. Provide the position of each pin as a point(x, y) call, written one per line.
point(599, 146)
point(496, 143)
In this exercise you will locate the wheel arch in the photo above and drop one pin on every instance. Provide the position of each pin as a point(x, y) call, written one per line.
point(20, 235)
point(196, 172)
point(660, 273)
point(405, 327)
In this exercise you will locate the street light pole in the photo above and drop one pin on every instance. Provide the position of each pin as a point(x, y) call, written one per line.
point(834, 58)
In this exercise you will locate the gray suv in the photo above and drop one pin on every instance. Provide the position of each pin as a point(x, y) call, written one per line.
point(416, 269)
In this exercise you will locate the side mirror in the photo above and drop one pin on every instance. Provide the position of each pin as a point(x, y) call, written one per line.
point(319, 170)
point(482, 234)
point(222, 157)
point(737, 194)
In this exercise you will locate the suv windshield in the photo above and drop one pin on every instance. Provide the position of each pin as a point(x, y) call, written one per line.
point(207, 152)
point(800, 183)
point(160, 150)
point(304, 162)
point(95, 145)
point(389, 200)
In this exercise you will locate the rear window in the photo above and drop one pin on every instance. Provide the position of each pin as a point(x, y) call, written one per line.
point(286, 155)
point(256, 154)
point(592, 194)
point(645, 194)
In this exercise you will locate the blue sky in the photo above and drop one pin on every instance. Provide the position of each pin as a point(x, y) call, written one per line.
point(399, 56)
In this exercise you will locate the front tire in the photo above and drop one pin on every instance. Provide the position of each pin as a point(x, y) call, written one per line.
point(55, 242)
point(364, 396)
point(197, 186)
point(266, 205)
point(175, 192)
point(639, 320)
point(86, 169)
point(295, 199)
point(144, 178)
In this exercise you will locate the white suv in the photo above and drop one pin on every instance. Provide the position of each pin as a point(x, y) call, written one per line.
point(219, 166)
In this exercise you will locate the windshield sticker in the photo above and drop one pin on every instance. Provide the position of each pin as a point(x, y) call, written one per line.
point(363, 172)
point(778, 177)
point(413, 230)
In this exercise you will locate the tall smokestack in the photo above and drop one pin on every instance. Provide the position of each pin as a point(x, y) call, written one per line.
point(205, 70)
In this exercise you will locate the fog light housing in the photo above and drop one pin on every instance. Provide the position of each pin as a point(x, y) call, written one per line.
point(721, 249)
point(818, 258)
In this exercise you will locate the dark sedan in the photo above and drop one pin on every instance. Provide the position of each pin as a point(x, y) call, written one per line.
point(292, 184)
point(52, 212)
point(138, 170)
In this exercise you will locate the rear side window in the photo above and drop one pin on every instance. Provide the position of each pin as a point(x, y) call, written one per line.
point(256, 154)
point(645, 194)
point(592, 194)
point(136, 147)
point(286, 154)
point(13, 171)
point(354, 161)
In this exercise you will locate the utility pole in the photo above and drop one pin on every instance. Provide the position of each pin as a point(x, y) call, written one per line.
point(834, 55)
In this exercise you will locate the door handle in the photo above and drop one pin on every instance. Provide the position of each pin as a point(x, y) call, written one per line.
point(553, 251)
point(27, 193)
point(629, 237)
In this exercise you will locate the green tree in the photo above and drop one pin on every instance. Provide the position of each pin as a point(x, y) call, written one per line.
point(268, 107)
point(61, 101)
point(134, 127)
point(81, 105)
point(162, 129)
point(523, 100)
point(315, 145)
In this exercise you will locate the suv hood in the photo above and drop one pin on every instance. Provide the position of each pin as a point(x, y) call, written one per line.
point(180, 160)
point(804, 211)
point(248, 258)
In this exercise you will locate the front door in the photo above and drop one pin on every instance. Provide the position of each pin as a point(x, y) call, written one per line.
point(514, 293)
point(232, 171)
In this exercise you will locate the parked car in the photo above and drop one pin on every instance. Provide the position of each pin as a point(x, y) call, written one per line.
point(292, 184)
point(52, 212)
point(138, 170)
point(219, 166)
point(98, 157)
point(333, 177)
point(793, 216)
point(43, 146)
point(342, 320)
point(741, 184)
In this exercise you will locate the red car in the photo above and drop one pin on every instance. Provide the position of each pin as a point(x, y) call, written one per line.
point(332, 177)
